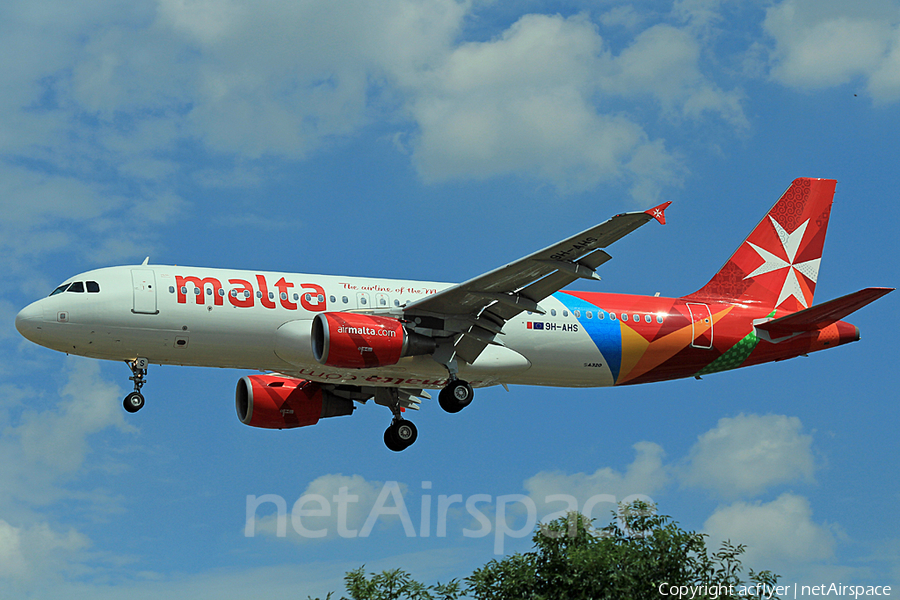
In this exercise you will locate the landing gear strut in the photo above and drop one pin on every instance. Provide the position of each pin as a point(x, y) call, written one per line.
point(457, 394)
point(135, 400)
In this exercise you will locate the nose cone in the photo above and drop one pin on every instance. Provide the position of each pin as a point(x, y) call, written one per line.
point(30, 322)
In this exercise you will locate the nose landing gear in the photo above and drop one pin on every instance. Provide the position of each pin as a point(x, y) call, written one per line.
point(135, 400)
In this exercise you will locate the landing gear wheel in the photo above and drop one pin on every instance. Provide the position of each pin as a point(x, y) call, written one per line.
point(400, 435)
point(456, 396)
point(133, 402)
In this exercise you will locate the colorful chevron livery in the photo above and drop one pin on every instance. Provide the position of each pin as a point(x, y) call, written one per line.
point(755, 309)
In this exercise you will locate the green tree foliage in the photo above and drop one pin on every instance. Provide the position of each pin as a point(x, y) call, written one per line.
point(395, 585)
point(632, 557)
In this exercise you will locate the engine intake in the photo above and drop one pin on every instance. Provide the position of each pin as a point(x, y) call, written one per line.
point(358, 341)
point(273, 402)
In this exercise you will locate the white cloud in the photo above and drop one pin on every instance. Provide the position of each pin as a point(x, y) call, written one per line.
point(777, 534)
point(56, 441)
point(275, 78)
point(42, 451)
point(331, 506)
point(747, 454)
point(621, 16)
point(663, 62)
point(520, 104)
point(281, 80)
point(27, 553)
point(604, 487)
point(884, 83)
point(821, 44)
point(41, 454)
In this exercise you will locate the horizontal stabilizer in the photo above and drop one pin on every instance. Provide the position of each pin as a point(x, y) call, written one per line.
point(823, 315)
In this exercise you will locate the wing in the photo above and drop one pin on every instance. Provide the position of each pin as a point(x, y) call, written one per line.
point(476, 310)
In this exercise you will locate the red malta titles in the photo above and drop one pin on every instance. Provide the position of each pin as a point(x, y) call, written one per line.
point(243, 295)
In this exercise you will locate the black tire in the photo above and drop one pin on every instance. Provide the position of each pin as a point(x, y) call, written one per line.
point(133, 402)
point(389, 441)
point(456, 396)
point(400, 435)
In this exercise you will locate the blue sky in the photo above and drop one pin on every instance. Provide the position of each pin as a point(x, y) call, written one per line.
point(436, 140)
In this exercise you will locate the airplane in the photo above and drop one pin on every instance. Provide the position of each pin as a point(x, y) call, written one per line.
point(325, 343)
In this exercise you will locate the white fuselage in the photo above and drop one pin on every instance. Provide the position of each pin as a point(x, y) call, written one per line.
point(262, 320)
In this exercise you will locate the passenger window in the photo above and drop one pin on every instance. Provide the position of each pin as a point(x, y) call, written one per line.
point(578, 313)
point(271, 295)
point(320, 298)
point(648, 318)
point(60, 289)
point(624, 316)
point(396, 303)
point(76, 287)
point(612, 316)
point(344, 299)
point(590, 314)
point(258, 294)
point(637, 318)
point(331, 299)
point(171, 289)
point(552, 312)
point(565, 313)
point(601, 315)
point(659, 318)
point(93, 287)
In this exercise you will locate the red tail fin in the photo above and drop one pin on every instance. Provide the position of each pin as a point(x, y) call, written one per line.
point(778, 264)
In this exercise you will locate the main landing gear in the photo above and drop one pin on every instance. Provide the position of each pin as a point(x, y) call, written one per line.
point(135, 400)
point(401, 433)
point(455, 396)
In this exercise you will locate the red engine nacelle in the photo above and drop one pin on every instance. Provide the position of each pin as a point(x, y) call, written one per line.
point(276, 402)
point(357, 341)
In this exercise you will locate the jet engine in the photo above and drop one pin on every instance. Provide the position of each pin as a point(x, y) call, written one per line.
point(356, 341)
point(274, 402)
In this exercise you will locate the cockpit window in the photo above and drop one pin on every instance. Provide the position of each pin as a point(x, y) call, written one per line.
point(93, 287)
point(76, 287)
point(60, 289)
